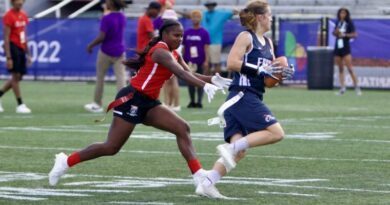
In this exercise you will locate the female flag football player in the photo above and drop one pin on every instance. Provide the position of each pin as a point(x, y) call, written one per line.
point(249, 123)
point(137, 103)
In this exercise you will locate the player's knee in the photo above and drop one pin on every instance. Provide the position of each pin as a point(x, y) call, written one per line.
point(183, 128)
point(110, 149)
point(279, 135)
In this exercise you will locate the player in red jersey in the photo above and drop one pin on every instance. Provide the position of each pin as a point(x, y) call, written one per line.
point(138, 103)
point(16, 51)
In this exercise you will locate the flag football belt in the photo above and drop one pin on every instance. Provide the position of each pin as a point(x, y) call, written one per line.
point(116, 103)
point(220, 119)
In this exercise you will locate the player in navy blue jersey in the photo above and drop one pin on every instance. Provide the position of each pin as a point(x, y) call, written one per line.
point(344, 31)
point(249, 123)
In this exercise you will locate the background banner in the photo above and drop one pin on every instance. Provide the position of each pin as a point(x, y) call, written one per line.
point(294, 38)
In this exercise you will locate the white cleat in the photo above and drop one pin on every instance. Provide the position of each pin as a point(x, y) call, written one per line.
point(59, 169)
point(227, 154)
point(209, 192)
point(358, 91)
point(93, 107)
point(1, 107)
point(23, 109)
point(199, 176)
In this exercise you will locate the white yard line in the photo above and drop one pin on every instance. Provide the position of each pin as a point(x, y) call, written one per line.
point(288, 194)
point(202, 154)
point(202, 136)
point(227, 198)
point(139, 203)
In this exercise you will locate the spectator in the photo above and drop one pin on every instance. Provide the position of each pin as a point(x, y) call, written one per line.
point(213, 21)
point(344, 31)
point(196, 43)
point(111, 53)
point(145, 29)
point(16, 51)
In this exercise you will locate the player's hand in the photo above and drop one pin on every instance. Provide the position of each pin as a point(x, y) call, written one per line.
point(273, 69)
point(221, 82)
point(9, 64)
point(288, 72)
point(210, 90)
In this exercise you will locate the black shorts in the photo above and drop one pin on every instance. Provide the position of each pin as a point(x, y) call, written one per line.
point(342, 52)
point(134, 110)
point(18, 56)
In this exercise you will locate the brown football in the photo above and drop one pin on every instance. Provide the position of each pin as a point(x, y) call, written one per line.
point(270, 81)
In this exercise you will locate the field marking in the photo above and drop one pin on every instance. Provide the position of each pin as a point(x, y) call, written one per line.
point(20, 193)
point(6, 196)
point(202, 136)
point(226, 197)
point(139, 203)
point(203, 154)
point(227, 180)
point(288, 194)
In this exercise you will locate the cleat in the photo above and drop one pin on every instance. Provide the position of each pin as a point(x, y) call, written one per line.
point(358, 91)
point(209, 192)
point(23, 109)
point(1, 107)
point(199, 176)
point(93, 107)
point(59, 169)
point(227, 155)
point(341, 91)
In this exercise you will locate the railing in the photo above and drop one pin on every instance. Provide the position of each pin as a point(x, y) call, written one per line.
point(83, 9)
point(56, 9)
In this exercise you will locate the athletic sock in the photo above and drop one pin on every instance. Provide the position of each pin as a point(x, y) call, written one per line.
point(194, 165)
point(1, 93)
point(73, 159)
point(212, 178)
point(19, 101)
point(239, 145)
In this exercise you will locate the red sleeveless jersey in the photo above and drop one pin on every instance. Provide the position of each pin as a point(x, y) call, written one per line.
point(151, 76)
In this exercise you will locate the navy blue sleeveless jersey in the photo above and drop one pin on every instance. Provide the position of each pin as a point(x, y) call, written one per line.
point(260, 55)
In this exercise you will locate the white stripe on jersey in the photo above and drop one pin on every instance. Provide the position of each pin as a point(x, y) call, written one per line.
point(244, 81)
point(150, 76)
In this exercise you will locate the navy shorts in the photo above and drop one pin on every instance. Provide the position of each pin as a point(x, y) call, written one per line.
point(248, 115)
point(18, 56)
point(134, 110)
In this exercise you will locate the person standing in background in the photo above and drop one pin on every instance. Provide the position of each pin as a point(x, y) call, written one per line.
point(344, 31)
point(16, 50)
point(111, 53)
point(213, 21)
point(145, 28)
point(196, 41)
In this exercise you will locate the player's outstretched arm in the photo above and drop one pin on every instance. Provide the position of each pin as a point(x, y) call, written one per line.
point(166, 59)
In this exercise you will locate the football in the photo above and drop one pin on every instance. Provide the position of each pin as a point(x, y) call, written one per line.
point(270, 81)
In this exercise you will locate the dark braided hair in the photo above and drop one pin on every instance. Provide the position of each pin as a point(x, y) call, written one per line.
point(137, 62)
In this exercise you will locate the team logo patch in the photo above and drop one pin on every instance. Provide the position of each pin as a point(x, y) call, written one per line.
point(133, 111)
point(269, 118)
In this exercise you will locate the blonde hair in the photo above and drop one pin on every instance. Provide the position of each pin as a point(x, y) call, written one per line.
point(248, 15)
point(194, 12)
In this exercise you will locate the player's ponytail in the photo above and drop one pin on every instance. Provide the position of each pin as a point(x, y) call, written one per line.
point(137, 62)
point(248, 15)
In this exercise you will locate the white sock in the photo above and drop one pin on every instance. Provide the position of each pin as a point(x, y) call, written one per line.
point(212, 178)
point(240, 145)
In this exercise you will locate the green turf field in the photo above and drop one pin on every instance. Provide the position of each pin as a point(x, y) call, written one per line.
point(336, 151)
